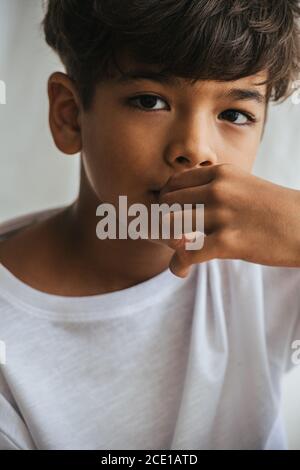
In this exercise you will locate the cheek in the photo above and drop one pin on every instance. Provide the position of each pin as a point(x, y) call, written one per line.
point(103, 163)
point(250, 153)
point(240, 151)
point(115, 164)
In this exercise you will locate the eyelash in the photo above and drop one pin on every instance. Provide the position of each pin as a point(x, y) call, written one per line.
point(251, 119)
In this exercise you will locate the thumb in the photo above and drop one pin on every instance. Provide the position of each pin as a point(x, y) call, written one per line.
point(176, 266)
point(179, 264)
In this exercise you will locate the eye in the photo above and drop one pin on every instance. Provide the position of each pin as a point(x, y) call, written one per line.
point(147, 102)
point(239, 118)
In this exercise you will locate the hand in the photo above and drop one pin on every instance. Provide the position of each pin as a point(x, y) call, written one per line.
point(245, 217)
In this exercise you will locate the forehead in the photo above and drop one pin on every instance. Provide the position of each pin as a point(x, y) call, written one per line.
point(246, 88)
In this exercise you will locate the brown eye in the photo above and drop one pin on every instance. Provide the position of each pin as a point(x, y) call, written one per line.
point(147, 102)
point(240, 118)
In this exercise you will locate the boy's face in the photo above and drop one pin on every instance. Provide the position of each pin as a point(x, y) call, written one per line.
point(132, 144)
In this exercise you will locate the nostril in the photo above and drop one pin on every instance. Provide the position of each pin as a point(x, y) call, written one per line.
point(181, 159)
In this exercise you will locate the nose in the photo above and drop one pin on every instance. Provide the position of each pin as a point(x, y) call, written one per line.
point(193, 145)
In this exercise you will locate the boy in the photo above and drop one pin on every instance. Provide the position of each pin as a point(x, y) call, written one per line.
point(140, 343)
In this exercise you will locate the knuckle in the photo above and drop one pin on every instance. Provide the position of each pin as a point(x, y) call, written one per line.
point(223, 169)
point(221, 218)
point(216, 191)
point(223, 242)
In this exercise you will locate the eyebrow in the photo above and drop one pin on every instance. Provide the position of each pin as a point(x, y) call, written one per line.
point(138, 75)
point(244, 94)
point(237, 94)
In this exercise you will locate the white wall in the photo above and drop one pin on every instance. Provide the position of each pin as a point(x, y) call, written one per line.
point(35, 175)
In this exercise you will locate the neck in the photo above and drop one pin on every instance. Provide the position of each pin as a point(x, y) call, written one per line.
point(119, 262)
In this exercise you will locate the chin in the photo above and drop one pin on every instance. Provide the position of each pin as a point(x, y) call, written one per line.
point(154, 195)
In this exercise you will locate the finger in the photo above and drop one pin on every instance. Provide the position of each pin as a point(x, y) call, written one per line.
point(182, 259)
point(173, 225)
point(188, 178)
point(194, 195)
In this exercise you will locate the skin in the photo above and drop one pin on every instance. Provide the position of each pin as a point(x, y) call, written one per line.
point(186, 144)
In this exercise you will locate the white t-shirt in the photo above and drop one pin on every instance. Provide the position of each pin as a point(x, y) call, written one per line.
point(170, 363)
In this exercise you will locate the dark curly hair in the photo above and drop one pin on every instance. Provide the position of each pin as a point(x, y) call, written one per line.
point(194, 39)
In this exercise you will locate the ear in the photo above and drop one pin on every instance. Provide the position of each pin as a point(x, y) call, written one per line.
point(64, 113)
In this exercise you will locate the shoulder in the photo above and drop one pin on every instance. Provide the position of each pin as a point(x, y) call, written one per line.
point(23, 240)
point(15, 224)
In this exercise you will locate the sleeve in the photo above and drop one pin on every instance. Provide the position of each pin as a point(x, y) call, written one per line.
point(14, 434)
point(282, 309)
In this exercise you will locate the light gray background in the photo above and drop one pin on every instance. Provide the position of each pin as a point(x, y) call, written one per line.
point(34, 175)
